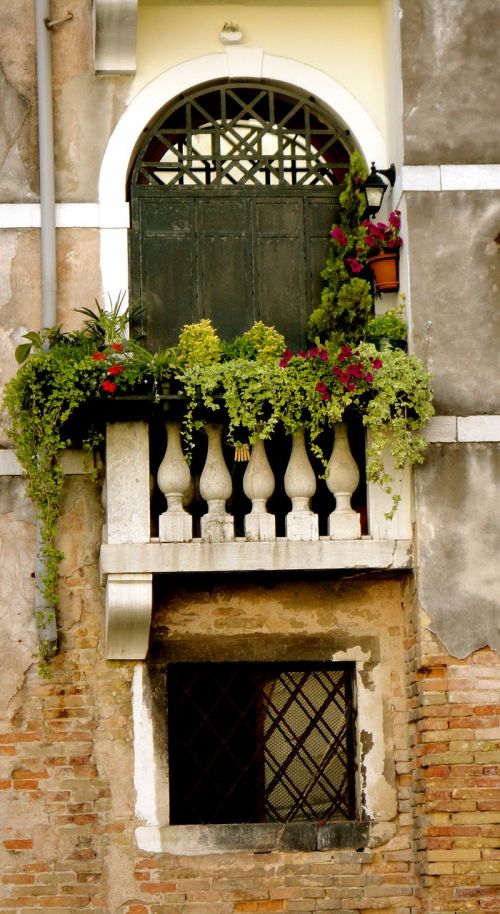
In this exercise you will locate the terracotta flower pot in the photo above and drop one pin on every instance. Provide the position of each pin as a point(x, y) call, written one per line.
point(385, 269)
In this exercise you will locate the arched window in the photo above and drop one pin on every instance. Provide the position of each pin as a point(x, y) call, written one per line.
point(233, 193)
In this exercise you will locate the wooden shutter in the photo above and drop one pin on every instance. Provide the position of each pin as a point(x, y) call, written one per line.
point(234, 256)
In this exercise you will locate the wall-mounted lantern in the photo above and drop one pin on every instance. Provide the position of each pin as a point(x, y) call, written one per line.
point(374, 188)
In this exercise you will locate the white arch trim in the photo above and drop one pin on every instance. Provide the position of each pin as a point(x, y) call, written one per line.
point(240, 63)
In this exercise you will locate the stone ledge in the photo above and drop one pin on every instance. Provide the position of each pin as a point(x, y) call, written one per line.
point(242, 556)
point(194, 840)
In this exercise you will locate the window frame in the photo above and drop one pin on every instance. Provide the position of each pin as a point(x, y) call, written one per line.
point(256, 749)
point(157, 834)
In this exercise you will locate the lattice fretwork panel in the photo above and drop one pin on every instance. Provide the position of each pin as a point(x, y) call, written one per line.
point(243, 134)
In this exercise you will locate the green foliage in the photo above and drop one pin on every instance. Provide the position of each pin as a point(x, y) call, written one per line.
point(259, 342)
point(104, 326)
point(346, 299)
point(199, 344)
point(389, 325)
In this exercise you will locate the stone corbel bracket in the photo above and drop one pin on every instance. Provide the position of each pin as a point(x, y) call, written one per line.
point(115, 32)
point(129, 601)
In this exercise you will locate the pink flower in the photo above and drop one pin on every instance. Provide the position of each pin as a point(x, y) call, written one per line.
point(285, 358)
point(115, 369)
point(345, 353)
point(395, 219)
point(376, 364)
point(339, 236)
point(323, 390)
point(368, 377)
point(323, 355)
point(98, 356)
point(108, 386)
point(354, 265)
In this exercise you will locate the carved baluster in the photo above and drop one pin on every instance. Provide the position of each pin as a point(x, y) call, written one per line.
point(258, 486)
point(300, 486)
point(342, 480)
point(174, 480)
point(217, 526)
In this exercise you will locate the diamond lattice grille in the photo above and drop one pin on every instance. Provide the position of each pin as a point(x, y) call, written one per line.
point(233, 135)
point(260, 742)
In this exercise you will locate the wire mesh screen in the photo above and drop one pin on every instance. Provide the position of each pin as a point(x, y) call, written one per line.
point(261, 742)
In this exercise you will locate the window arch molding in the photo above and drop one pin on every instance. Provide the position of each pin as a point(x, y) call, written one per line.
point(242, 63)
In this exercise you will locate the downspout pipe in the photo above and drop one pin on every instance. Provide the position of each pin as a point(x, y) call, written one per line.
point(45, 615)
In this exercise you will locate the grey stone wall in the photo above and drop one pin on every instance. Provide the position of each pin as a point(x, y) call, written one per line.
point(459, 545)
point(455, 284)
point(450, 71)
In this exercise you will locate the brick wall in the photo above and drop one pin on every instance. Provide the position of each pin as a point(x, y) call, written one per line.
point(455, 714)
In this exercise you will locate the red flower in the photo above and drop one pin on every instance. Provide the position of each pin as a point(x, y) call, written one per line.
point(285, 358)
point(98, 356)
point(395, 219)
point(376, 364)
point(108, 386)
point(339, 236)
point(115, 369)
point(323, 390)
point(354, 265)
point(368, 377)
point(117, 347)
point(345, 353)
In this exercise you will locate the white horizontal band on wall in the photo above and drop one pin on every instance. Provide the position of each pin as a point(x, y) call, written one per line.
point(68, 215)
point(450, 177)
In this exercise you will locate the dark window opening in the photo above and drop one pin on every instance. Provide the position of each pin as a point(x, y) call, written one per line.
point(261, 742)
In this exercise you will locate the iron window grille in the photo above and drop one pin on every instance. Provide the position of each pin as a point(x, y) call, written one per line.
point(261, 742)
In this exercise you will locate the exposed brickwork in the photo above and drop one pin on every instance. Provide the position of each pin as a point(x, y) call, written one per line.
point(455, 719)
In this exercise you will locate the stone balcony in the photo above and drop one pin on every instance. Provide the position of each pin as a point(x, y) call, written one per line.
point(274, 512)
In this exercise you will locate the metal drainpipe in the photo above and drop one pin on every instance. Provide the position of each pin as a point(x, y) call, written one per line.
point(47, 631)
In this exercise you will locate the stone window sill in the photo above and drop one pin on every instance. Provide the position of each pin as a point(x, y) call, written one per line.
point(261, 838)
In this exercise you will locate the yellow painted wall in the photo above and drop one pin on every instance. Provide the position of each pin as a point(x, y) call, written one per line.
point(344, 41)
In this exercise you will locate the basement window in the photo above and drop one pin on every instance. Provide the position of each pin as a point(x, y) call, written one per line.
point(261, 743)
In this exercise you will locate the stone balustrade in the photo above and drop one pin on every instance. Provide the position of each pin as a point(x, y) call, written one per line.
point(216, 487)
point(280, 510)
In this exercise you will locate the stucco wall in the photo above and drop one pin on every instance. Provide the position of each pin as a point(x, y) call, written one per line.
point(455, 284)
point(459, 544)
point(342, 40)
point(450, 68)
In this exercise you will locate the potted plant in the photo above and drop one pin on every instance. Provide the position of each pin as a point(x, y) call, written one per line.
point(382, 241)
point(388, 329)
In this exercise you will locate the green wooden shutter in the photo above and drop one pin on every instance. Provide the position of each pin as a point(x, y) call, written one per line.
point(232, 256)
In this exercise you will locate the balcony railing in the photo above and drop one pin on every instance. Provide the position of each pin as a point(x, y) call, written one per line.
point(278, 509)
